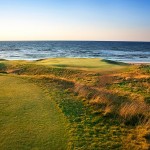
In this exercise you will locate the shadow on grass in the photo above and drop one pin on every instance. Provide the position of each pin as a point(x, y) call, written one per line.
point(61, 65)
point(2, 67)
point(3, 60)
point(40, 59)
point(114, 62)
point(76, 66)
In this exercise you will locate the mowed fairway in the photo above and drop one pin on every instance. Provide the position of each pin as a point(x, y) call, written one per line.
point(29, 119)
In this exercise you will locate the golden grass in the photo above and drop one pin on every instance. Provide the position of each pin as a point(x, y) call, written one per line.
point(132, 109)
point(113, 93)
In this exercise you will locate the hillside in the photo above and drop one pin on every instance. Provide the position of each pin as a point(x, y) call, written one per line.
point(76, 103)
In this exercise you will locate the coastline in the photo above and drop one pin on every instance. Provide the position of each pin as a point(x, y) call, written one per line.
point(139, 63)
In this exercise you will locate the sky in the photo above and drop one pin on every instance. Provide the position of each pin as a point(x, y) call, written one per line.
point(96, 20)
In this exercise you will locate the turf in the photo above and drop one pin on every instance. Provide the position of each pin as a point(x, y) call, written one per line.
point(29, 118)
point(93, 64)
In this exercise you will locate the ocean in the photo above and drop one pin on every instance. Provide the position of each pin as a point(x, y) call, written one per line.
point(117, 51)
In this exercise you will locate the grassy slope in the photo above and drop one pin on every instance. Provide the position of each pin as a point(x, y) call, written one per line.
point(95, 64)
point(106, 103)
point(29, 119)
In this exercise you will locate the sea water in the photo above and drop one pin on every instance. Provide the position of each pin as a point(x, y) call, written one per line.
point(117, 51)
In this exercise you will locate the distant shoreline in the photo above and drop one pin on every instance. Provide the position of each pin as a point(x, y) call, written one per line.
point(139, 63)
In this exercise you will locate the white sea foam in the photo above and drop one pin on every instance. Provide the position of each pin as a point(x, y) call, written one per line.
point(119, 51)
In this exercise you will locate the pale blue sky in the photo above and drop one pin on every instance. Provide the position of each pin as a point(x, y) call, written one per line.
point(75, 20)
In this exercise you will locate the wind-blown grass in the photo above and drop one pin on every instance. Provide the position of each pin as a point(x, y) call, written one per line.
point(106, 103)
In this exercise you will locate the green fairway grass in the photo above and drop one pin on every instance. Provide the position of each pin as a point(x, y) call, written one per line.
point(81, 63)
point(29, 119)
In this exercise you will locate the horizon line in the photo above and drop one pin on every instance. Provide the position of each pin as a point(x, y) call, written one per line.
point(70, 41)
